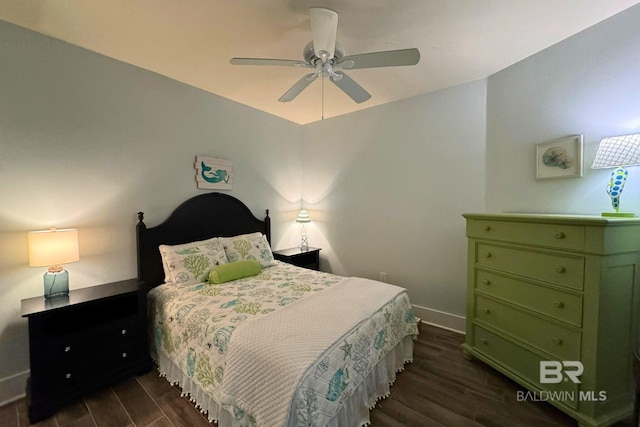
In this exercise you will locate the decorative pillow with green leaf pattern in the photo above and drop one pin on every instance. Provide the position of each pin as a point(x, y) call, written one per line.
point(191, 263)
point(248, 246)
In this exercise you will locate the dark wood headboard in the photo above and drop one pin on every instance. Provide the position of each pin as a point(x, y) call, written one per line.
point(201, 217)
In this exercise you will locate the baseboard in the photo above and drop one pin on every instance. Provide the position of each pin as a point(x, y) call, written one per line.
point(438, 318)
point(13, 387)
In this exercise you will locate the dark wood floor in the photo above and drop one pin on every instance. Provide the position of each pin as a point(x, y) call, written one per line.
point(440, 388)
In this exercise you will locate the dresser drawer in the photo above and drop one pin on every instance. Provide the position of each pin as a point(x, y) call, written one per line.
point(60, 378)
point(119, 355)
point(553, 268)
point(558, 236)
point(99, 337)
point(520, 361)
point(82, 366)
point(559, 341)
point(122, 329)
point(560, 305)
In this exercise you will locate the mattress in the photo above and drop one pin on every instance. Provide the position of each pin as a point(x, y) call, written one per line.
point(329, 345)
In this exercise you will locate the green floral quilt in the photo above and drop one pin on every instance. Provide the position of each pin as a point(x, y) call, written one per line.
point(192, 326)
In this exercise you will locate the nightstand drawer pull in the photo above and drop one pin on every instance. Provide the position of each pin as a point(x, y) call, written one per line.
point(561, 269)
point(124, 355)
point(556, 340)
point(487, 228)
point(486, 282)
point(487, 254)
point(68, 376)
point(486, 311)
point(559, 304)
point(560, 235)
point(484, 341)
point(67, 349)
point(124, 332)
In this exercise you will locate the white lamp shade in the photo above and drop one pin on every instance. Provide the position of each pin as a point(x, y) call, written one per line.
point(618, 151)
point(303, 216)
point(53, 247)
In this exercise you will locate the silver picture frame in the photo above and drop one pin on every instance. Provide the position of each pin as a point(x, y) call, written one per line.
point(560, 158)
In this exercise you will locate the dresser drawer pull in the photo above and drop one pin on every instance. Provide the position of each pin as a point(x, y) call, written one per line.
point(486, 228)
point(556, 340)
point(484, 341)
point(561, 269)
point(67, 349)
point(68, 376)
point(487, 254)
point(486, 282)
point(124, 355)
point(124, 332)
point(560, 235)
point(559, 304)
point(486, 310)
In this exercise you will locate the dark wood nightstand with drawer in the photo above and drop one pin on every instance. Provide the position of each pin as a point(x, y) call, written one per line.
point(84, 342)
point(302, 258)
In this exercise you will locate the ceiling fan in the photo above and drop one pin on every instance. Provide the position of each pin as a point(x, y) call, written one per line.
point(326, 55)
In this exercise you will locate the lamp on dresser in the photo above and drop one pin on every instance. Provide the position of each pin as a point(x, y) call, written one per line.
point(52, 248)
point(617, 152)
point(304, 218)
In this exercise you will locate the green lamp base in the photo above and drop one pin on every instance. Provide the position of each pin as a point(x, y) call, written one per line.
point(619, 214)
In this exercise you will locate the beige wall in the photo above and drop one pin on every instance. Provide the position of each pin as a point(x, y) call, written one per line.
point(87, 142)
point(587, 84)
point(386, 188)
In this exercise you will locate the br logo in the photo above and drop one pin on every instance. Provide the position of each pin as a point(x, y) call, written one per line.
point(553, 372)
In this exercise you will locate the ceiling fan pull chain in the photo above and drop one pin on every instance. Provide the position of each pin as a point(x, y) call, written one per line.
point(321, 97)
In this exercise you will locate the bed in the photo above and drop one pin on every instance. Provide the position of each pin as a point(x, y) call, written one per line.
point(283, 346)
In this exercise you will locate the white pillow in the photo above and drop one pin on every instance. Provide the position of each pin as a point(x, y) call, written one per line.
point(191, 263)
point(248, 246)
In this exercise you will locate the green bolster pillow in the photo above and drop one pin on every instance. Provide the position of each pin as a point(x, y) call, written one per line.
point(234, 270)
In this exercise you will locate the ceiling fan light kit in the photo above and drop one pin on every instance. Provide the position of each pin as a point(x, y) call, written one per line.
point(325, 54)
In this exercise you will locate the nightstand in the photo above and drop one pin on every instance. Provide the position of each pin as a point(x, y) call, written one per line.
point(307, 259)
point(84, 342)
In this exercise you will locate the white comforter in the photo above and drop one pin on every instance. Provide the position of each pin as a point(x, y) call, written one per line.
point(268, 358)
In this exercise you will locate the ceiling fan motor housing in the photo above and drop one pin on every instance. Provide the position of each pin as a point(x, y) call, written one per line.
point(310, 56)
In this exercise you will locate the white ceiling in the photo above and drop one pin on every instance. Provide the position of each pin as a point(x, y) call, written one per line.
point(192, 41)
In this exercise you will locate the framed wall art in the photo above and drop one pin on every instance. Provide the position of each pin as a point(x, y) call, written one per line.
point(561, 158)
point(213, 173)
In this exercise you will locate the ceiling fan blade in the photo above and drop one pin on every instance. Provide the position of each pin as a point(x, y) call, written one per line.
point(350, 87)
point(324, 27)
point(298, 87)
point(390, 58)
point(264, 61)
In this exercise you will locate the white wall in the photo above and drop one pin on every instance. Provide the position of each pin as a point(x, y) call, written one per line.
point(86, 142)
point(386, 188)
point(588, 84)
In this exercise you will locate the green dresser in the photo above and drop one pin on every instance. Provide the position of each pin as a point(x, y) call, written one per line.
point(554, 289)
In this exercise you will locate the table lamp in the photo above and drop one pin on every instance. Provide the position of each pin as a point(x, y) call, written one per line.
point(51, 248)
point(303, 218)
point(617, 152)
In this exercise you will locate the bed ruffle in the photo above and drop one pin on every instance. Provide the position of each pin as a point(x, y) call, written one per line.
point(354, 412)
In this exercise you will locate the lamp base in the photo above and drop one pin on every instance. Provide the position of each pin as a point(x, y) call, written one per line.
point(56, 284)
point(619, 214)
